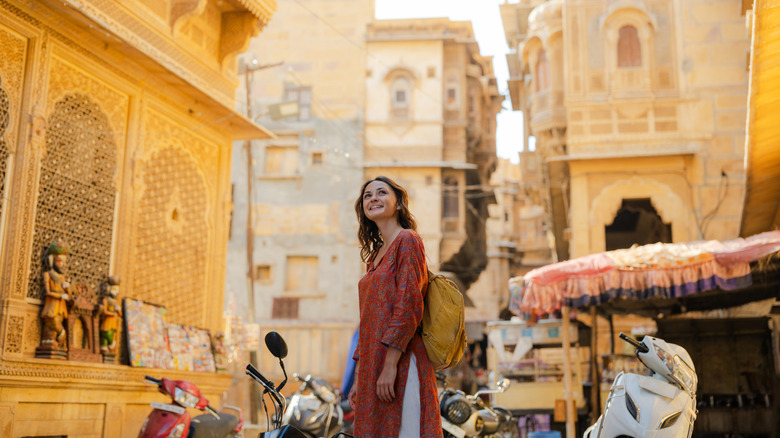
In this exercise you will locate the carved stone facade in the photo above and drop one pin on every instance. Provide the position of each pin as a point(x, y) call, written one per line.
point(638, 110)
point(116, 123)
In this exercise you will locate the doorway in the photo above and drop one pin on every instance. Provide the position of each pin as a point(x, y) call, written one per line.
point(637, 222)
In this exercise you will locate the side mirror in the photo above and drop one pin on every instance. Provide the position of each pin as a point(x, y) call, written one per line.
point(503, 384)
point(276, 345)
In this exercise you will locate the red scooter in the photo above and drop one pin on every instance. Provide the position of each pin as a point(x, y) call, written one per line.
point(173, 421)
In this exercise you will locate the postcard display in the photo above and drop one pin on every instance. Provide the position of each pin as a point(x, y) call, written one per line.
point(153, 342)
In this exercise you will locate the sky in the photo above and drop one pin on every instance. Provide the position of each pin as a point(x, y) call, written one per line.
point(486, 20)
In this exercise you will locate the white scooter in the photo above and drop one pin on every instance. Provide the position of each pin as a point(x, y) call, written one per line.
point(662, 405)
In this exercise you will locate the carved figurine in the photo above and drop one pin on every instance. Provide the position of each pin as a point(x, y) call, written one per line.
point(57, 293)
point(220, 352)
point(109, 312)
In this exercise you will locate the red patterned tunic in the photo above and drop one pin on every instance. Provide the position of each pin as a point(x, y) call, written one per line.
point(391, 304)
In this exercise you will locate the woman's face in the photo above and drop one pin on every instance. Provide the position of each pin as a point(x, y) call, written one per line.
point(379, 201)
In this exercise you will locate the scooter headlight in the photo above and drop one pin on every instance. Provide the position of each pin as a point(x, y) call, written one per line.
point(456, 409)
point(669, 420)
point(684, 374)
point(665, 357)
point(632, 408)
point(184, 398)
point(177, 431)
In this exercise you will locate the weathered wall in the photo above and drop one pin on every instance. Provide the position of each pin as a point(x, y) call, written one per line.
point(305, 182)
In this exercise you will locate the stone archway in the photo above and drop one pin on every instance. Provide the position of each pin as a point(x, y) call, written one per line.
point(668, 204)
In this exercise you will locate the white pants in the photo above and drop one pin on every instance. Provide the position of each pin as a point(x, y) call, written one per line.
point(410, 415)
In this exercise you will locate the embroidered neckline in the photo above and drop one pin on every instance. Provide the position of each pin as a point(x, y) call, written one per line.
point(371, 265)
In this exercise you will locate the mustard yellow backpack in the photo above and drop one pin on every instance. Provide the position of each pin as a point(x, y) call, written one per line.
point(443, 322)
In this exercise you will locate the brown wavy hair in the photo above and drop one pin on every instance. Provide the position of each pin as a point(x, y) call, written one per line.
point(368, 233)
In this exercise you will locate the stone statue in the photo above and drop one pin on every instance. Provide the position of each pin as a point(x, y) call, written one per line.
point(57, 294)
point(220, 352)
point(109, 312)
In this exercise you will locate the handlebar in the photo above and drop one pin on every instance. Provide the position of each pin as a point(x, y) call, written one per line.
point(212, 411)
point(641, 347)
point(269, 388)
point(252, 371)
point(153, 380)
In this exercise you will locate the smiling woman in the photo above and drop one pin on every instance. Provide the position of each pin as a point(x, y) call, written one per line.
point(394, 392)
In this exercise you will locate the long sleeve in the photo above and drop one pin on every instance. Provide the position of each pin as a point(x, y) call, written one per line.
point(411, 275)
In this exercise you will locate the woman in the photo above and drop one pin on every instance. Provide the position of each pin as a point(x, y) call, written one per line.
point(394, 393)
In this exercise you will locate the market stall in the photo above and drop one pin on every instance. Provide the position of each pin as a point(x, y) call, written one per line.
point(651, 280)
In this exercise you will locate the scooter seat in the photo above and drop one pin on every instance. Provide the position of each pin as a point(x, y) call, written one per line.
point(208, 426)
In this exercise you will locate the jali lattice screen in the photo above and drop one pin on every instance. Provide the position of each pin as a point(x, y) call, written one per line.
point(76, 192)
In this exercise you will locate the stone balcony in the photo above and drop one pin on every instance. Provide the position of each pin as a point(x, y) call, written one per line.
point(547, 110)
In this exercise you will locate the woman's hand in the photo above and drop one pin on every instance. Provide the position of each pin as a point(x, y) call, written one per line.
point(385, 385)
point(352, 397)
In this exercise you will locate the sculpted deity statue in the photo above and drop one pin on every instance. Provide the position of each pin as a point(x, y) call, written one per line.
point(109, 312)
point(220, 351)
point(57, 293)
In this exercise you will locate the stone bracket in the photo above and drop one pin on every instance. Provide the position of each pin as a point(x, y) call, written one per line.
point(238, 28)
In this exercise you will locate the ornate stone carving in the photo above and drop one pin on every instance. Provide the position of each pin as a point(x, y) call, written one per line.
point(83, 326)
point(14, 334)
point(14, 49)
point(110, 312)
point(5, 114)
point(41, 372)
point(32, 336)
point(181, 9)
point(173, 196)
point(76, 191)
point(56, 293)
point(12, 65)
point(238, 28)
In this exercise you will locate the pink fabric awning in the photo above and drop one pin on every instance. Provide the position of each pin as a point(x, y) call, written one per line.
point(663, 270)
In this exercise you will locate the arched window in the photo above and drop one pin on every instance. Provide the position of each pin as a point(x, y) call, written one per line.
point(400, 97)
point(629, 50)
point(450, 199)
point(542, 72)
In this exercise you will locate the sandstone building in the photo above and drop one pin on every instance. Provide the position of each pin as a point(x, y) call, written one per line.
point(638, 110)
point(116, 124)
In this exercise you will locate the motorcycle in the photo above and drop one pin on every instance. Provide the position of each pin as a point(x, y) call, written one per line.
point(314, 408)
point(171, 420)
point(469, 416)
point(661, 405)
point(278, 348)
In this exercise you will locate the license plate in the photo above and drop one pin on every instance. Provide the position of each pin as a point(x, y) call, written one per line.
point(453, 429)
point(167, 407)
